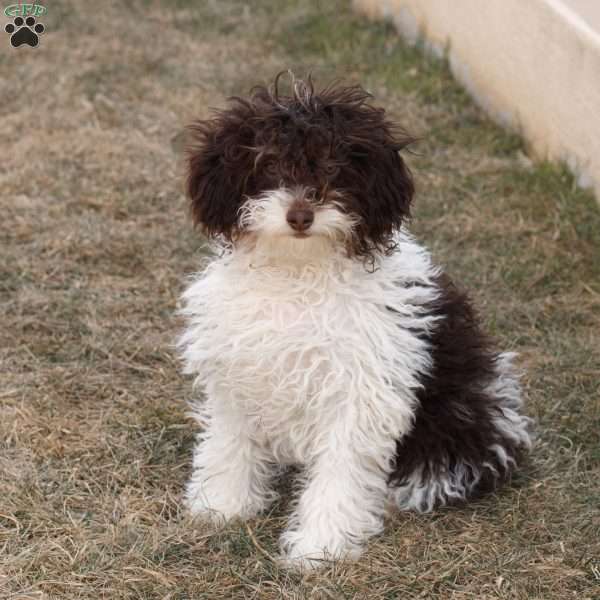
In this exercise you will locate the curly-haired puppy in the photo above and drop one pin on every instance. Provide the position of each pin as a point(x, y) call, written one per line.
point(323, 336)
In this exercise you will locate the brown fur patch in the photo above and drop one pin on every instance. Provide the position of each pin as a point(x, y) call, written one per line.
point(454, 420)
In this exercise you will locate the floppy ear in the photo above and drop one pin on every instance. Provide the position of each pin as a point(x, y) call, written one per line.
point(219, 164)
point(390, 189)
point(379, 184)
point(380, 190)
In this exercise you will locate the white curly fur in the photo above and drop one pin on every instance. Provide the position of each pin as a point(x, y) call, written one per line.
point(302, 361)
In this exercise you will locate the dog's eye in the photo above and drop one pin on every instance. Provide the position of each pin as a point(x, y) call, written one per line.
point(270, 168)
point(331, 170)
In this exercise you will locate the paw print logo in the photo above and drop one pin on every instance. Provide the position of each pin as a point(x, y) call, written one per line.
point(24, 31)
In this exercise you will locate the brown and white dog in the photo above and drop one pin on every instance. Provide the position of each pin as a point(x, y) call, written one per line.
point(323, 335)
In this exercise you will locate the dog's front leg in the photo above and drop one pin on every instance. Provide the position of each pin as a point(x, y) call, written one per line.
point(343, 504)
point(232, 473)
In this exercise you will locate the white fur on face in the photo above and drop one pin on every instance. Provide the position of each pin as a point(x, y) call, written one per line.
point(264, 218)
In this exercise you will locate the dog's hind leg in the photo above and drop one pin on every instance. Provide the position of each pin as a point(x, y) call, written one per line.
point(460, 449)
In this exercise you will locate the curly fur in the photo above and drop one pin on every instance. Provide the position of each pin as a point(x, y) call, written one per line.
point(375, 378)
point(331, 141)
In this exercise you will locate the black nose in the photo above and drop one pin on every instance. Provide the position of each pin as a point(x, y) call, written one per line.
point(300, 219)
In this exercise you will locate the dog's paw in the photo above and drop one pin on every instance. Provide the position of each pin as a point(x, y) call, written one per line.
point(307, 552)
point(217, 507)
point(201, 512)
point(304, 562)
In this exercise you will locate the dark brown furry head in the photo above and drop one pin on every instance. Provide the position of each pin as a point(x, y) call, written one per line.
point(332, 142)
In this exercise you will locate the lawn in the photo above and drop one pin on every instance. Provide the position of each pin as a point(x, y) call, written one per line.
point(95, 248)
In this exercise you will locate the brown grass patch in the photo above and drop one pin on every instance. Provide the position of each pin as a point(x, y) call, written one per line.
point(95, 247)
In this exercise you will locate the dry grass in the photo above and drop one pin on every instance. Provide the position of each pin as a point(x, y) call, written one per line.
point(95, 246)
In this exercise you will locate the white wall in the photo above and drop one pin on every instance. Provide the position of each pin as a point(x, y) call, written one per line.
point(534, 65)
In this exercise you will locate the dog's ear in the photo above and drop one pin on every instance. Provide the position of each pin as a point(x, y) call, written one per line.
point(387, 190)
point(379, 184)
point(219, 164)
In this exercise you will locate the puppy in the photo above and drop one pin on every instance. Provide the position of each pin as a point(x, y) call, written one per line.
point(323, 335)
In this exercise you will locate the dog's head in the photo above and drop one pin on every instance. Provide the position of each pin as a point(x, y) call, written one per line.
point(301, 170)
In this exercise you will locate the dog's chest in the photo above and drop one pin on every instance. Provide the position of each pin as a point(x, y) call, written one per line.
point(282, 347)
point(298, 353)
point(271, 333)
